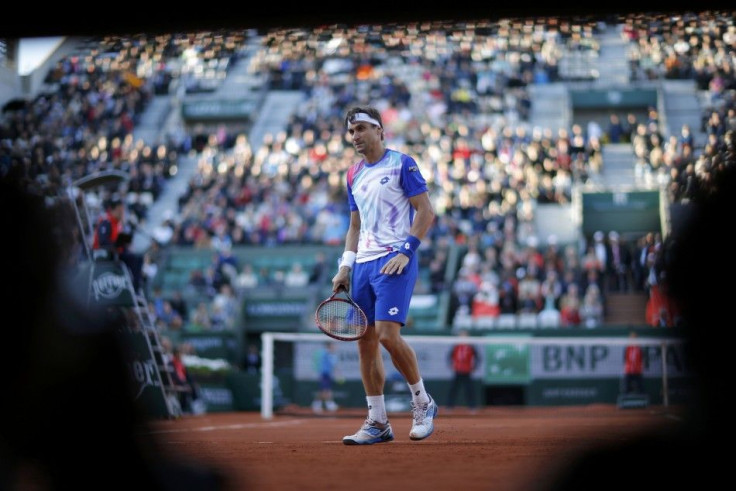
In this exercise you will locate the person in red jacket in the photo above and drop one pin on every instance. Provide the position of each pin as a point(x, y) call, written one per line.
point(633, 368)
point(109, 226)
point(463, 359)
point(111, 235)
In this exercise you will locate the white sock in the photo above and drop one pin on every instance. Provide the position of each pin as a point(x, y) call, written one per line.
point(418, 393)
point(377, 408)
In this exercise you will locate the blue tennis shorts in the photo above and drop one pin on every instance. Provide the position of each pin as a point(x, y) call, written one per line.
point(325, 381)
point(384, 297)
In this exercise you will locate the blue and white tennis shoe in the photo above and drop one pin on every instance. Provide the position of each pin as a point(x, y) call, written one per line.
point(423, 419)
point(371, 432)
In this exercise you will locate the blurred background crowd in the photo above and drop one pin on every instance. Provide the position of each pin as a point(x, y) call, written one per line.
point(457, 96)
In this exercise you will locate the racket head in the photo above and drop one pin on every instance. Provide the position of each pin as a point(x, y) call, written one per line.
point(341, 318)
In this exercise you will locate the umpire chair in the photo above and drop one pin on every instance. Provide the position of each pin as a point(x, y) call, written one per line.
point(107, 284)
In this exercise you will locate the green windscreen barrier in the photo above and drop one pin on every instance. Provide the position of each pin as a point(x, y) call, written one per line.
point(628, 213)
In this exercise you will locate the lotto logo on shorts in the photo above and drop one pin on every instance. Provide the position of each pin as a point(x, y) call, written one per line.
point(393, 310)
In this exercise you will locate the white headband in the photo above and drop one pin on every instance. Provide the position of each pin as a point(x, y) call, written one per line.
point(364, 117)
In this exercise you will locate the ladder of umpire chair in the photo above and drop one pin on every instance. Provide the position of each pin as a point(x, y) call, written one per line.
point(139, 319)
point(158, 352)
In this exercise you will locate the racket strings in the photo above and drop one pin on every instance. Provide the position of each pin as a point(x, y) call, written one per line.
point(341, 318)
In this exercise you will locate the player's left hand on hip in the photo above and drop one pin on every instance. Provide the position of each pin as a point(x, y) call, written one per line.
point(395, 265)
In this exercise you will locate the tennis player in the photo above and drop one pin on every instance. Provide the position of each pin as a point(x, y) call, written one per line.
point(390, 212)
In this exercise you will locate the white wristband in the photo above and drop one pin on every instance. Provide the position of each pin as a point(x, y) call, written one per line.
point(348, 259)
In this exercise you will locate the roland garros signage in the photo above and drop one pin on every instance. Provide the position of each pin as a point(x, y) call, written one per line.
point(110, 284)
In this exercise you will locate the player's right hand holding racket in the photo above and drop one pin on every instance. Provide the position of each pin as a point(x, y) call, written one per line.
point(340, 317)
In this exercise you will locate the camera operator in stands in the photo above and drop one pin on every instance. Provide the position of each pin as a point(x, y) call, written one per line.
point(114, 235)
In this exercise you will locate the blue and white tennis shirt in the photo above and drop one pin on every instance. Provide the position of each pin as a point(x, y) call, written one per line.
point(381, 191)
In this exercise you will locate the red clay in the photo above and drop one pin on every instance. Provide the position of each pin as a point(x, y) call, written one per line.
point(499, 448)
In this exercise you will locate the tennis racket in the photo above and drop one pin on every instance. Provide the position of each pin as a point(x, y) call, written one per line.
point(341, 318)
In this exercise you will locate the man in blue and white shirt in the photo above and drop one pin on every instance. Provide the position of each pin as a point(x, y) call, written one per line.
point(390, 212)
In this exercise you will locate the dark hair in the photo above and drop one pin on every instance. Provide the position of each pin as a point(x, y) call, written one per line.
point(114, 202)
point(370, 111)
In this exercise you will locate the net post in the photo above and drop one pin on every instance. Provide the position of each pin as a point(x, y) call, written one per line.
point(267, 375)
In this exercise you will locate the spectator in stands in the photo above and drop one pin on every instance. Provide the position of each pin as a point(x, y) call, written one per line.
point(507, 292)
point(615, 131)
point(600, 251)
point(295, 276)
point(644, 245)
point(549, 316)
point(247, 278)
point(222, 242)
point(488, 273)
point(631, 126)
point(551, 288)
point(197, 283)
point(172, 326)
point(464, 288)
point(156, 300)
point(219, 318)
point(213, 280)
point(226, 304)
point(437, 270)
point(167, 317)
point(319, 272)
point(485, 301)
point(200, 321)
point(226, 265)
point(618, 265)
point(685, 138)
point(277, 278)
point(472, 258)
point(149, 270)
point(529, 291)
point(266, 276)
point(553, 257)
point(570, 304)
point(591, 311)
point(590, 261)
point(179, 304)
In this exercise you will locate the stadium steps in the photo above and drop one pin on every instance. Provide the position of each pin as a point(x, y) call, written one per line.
point(618, 167)
point(626, 308)
point(551, 106)
point(274, 114)
point(682, 105)
point(165, 206)
point(153, 120)
point(612, 63)
point(242, 79)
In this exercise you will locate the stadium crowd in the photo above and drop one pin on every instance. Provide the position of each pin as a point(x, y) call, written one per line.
point(455, 95)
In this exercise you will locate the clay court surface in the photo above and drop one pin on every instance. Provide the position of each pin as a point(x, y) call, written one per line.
point(499, 448)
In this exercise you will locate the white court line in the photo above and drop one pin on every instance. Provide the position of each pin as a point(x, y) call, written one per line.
point(272, 424)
